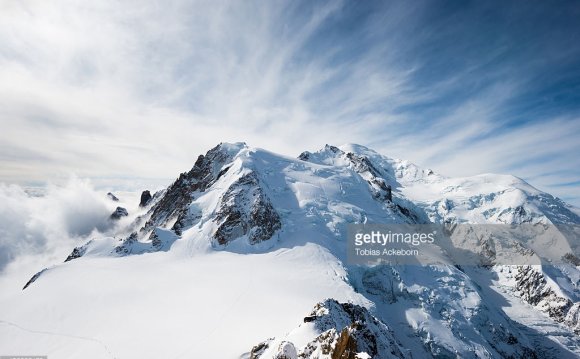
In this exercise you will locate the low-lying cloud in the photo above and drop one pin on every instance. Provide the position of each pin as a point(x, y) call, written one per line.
point(62, 217)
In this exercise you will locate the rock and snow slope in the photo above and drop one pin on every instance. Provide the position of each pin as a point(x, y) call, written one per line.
point(241, 247)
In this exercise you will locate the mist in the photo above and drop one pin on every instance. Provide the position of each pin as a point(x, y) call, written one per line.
point(53, 222)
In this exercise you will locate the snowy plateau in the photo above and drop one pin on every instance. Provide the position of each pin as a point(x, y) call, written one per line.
point(244, 256)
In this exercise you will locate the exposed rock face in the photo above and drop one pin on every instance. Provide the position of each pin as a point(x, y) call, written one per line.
point(112, 197)
point(573, 318)
point(126, 246)
point(346, 331)
point(346, 346)
point(34, 278)
point(159, 240)
point(260, 348)
point(534, 289)
point(119, 213)
point(304, 156)
point(145, 198)
point(381, 190)
point(175, 202)
point(78, 252)
point(246, 210)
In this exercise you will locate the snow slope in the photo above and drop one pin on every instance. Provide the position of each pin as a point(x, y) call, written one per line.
point(240, 249)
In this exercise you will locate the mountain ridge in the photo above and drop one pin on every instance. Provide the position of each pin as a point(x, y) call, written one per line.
point(249, 201)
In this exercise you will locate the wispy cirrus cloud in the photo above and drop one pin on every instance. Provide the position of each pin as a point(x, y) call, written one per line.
point(139, 88)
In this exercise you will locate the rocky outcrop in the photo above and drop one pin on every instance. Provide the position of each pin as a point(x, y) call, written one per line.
point(573, 318)
point(78, 252)
point(260, 348)
point(304, 156)
point(245, 210)
point(376, 177)
point(345, 331)
point(534, 289)
point(112, 197)
point(378, 185)
point(126, 246)
point(119, 213)
point(171, 210)
point(159, 240)
point(145, 198)
point(34, 278)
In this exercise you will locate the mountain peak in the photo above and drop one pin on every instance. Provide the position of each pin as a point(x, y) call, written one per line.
point(232, 148)
point(248, 206)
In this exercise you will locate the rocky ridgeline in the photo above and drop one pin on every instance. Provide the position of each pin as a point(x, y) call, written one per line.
point(244, 208)
point(378, 180)
point(175, 202)
point(345, 331)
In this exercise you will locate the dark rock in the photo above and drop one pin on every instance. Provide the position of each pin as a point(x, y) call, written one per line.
point(259, 349)
point(112, 197)
point(34, 278)
point(573, 318)
point(520, 211)
point(345, 330)
point(346, 346)
point(222, 172)
point(119, 213)
point(77, 252)
point(407, 213)
point(246, 210)
point(304, 156)
point(145, 198)
point(175, 201)
point(126, 247)
point(309, 318)
point(381, 190)
point(379, 187)
point(534, 289)
point(511, 340)
point(362, 164)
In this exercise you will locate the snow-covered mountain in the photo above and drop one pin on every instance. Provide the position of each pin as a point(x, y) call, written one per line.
point(229, 261)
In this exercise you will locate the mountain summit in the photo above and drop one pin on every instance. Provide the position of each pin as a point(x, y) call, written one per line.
point(245, 255)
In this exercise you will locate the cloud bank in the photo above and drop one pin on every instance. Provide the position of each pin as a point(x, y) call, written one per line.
point(52, 223)
point(137, 89)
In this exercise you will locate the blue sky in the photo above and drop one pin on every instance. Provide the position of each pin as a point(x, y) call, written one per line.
point(133, 91)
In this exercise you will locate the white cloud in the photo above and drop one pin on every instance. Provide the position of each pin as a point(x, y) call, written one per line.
point(51, 224)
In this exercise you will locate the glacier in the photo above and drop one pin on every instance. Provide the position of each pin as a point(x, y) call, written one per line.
point(244, 256)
